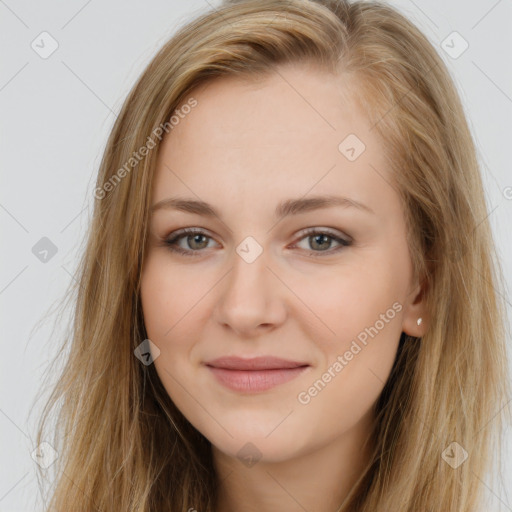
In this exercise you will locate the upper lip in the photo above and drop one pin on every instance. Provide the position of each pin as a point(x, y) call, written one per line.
point(254, 363)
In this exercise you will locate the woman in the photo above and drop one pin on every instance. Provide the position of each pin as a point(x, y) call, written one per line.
point(289, 296)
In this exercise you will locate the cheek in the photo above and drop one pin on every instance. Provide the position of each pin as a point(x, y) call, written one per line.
point(365, 315)
point(350, 298)
point(358, 329)
point(168, 301)
point(169, 297)
point(155, 298)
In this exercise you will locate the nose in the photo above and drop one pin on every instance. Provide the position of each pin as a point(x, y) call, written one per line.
point(252, 298)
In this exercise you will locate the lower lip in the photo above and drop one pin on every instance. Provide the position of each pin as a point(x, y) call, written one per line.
point(253, 381)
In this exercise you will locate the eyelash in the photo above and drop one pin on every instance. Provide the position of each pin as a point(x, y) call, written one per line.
point(170, 243)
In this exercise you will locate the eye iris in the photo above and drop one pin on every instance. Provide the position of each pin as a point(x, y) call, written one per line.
point(321, 237)
point(194, 238)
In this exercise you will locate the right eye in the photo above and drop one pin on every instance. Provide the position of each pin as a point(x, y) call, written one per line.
point(192, 237)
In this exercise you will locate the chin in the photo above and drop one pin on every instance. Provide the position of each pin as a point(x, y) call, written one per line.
point(251, 451)
point(253, 442)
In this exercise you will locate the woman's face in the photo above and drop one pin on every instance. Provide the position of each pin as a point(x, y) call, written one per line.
point(274, 272)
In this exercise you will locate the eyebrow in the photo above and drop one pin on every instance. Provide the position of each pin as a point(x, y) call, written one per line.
point(283, 209)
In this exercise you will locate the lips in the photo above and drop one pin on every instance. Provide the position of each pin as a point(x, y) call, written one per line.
point(255, 363)
point(254, 375)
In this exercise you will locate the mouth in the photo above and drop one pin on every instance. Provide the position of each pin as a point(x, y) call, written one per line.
point(255, 374)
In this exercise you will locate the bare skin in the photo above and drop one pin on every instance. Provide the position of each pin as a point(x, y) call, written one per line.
point(243, 149)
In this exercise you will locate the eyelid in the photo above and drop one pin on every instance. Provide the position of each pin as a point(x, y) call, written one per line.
point(341, 238)
point(189, 231)
point(334, 233)
point(301, 234)
point(179, 233)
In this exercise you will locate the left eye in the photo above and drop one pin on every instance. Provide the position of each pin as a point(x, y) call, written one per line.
point(319, 241)
point(322, 239)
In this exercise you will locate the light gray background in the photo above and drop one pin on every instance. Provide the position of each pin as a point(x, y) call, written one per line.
point(56, 114)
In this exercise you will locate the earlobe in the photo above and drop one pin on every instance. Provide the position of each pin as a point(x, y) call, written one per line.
point(415, 326)
point(415, 319)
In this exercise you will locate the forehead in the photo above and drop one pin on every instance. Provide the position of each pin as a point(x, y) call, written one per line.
point(282, 134)
point(296, 100)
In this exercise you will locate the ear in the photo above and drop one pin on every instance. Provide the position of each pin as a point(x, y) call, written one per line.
point(415, 308)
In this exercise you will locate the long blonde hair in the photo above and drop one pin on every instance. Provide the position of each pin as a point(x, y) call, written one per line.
point(122, 443)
